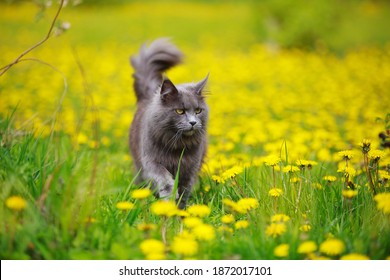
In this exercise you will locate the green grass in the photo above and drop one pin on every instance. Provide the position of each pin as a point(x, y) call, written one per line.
point(65, 187)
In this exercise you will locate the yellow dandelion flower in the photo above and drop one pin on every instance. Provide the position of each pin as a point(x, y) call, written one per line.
point(227, 219)
point(305, 228)
point(199, 210)
point(307, 247)
point(276, 229)
point(295, 180)
point(141, 193)
point(16, 203)
point(383, 202)
point(182, 213)
point(218, 179)
point(275, 192)
point(346, 154)
point(233, 206)
point(271, 160)
point(146, 227)
point(124, 205)
point(330, 178)
point(376, 154)
point(192, 222)
point(302, 163)
point(152, 246)
point(82, 138)
point(186, 234)
point(184, 246)
point(228, 202)
point(207, 188)
point(155, 256)
point(290, 168)
point(349, 193)
point(232, 172)
point(241, 224)
point(348, 171)
point(383, 174)
point(332, 247)
point(204, 232)
point(281, 250)
point(248, 203)
point(354, 256)
point(164, 208)
point(279, 218)
point(386, 160)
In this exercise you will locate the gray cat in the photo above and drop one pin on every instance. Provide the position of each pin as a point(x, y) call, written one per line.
point(170, 121)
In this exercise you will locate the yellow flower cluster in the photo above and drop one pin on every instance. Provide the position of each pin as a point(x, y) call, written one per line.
point(186, 243)
point(290, 74)
point(243, 205)
point(165, 208)
point(277, 226)
point(199, 210)
point(383, 202)
point(276, 229)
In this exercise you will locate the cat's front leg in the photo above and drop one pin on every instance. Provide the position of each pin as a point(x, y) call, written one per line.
point(162, 179)
point(184, 191)
point(183, 196)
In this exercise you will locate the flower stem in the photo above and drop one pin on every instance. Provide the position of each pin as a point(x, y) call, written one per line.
point(369, 177)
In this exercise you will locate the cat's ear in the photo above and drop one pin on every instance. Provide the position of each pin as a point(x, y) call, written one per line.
point(168, 90)
point(199, 87)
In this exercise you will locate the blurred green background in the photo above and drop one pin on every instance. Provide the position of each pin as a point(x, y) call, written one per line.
point(320, 24)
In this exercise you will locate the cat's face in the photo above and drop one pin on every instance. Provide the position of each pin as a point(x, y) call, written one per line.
point(185, 112)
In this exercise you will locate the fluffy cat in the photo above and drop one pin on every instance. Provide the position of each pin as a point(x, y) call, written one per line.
point(170, 121)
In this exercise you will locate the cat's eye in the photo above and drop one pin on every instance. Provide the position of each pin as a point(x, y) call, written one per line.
point(198, 110)
point(179, 111)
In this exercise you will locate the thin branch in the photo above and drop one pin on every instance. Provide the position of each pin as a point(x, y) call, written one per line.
point(18, 59)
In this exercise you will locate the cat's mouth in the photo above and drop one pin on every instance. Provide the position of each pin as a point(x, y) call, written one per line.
point(189, 132)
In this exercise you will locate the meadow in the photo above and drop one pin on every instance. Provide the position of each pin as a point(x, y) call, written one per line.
point(298, 163)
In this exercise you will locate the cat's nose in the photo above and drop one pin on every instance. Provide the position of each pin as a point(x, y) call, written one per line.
point(192, 123)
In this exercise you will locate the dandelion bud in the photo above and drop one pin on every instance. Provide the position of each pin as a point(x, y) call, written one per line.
point(366, 145)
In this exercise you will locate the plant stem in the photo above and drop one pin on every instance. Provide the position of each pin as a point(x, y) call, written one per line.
point(369, 177)
point(18, 59)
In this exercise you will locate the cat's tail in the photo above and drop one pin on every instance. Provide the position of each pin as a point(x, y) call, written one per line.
point(150, 64)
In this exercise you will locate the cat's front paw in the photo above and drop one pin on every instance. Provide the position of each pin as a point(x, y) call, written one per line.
point(165, 191)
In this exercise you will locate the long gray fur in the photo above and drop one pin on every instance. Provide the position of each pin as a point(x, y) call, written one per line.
point(169, 119)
